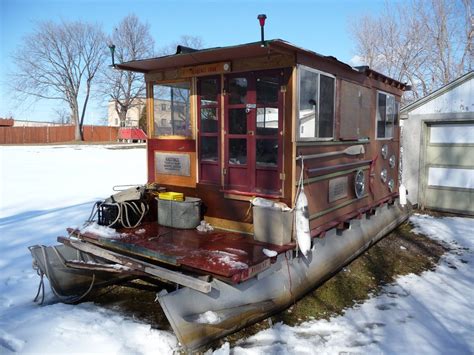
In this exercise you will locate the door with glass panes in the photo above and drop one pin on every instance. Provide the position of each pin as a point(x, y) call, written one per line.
point(253, 132)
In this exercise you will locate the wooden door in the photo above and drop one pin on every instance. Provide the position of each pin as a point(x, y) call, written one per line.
point(253, 133)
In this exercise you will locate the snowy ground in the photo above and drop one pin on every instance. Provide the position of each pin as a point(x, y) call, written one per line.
point(43, 190)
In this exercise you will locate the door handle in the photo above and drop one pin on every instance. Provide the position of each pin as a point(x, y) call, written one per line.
point(251, 133)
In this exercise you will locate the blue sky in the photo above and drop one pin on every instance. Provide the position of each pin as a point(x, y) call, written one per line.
point(320, 25)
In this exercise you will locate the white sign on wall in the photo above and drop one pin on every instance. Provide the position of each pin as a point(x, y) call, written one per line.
point(172, 164)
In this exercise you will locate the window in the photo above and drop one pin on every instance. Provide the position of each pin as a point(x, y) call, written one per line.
point(387, 114)
point(208, 90)
point(175, 121)
point(316, 104)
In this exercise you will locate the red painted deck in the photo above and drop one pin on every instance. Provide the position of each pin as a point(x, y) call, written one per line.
point(232, 256)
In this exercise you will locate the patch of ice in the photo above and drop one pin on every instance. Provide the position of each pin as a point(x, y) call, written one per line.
point(208, 317)
point(101, 231)
point(402, 247)
point(269, 253)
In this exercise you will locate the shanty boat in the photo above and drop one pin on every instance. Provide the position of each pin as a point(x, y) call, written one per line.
point(291, 156)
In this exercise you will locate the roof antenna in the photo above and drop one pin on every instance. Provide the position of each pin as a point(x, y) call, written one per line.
point(112, 52)
point(261, 18)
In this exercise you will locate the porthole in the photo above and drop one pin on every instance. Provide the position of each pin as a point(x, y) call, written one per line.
point(391, 185)
point(384, 151)
point(391, 161)
point(383, 175)
point(359, 183)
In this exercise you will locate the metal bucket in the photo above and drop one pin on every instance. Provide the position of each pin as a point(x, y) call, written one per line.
point(179, 214)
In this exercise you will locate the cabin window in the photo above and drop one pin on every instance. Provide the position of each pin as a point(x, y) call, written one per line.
point(175, 120)
point(316, 104)
point(387, 114)
point(208, 90)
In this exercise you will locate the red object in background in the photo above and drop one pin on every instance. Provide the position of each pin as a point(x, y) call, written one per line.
point(6, 122)
point(131, 134)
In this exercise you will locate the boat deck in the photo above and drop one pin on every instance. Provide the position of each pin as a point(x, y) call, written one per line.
point(231, 256)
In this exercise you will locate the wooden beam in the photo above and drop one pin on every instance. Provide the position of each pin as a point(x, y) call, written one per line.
point(134, 264)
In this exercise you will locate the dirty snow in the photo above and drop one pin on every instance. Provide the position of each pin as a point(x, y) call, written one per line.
point(45, 189)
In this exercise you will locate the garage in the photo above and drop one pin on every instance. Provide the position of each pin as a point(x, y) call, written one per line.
point(438, 148)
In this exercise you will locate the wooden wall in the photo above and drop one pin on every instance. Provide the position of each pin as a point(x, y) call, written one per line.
point(55, 134)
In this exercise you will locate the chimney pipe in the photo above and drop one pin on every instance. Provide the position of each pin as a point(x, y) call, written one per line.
point(261, 18)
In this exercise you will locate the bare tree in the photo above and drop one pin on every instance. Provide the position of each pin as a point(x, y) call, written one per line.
point(427, 43)
point(63, 116)
point(126, 89)
point(59, 61)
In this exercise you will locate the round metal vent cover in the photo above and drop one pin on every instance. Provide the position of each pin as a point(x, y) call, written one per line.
point(384, 151)
point(359, 183)
point(391, 185)
point(392, 161)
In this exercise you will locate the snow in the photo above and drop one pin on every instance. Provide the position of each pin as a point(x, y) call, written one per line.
point(46, 189)
point(101, 231)
point(269, 253)
point(208, 317)
point(229, 259)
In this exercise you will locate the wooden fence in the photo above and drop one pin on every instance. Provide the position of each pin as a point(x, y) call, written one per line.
point(55, 134)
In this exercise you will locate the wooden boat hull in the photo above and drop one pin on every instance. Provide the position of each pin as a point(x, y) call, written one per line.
point(199, 318)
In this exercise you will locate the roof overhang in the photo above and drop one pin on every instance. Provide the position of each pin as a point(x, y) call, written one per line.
point(249, 50)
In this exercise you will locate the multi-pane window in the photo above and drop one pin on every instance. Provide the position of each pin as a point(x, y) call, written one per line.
point(387, 114)
point(209, 120)
point(316, 104)
point(171, 109)
point(208, 91)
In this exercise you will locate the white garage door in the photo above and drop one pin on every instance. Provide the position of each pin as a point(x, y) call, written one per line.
point(449, 167)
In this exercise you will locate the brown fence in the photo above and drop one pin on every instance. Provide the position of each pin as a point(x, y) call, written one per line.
point(55, 134)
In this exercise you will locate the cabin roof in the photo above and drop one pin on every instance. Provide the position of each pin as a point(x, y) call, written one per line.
point(248, 50)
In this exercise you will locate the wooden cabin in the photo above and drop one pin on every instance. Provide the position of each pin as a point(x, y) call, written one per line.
point(228, 124)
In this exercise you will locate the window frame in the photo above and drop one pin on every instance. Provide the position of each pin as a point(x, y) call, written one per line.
point(396, 117)
point(298, 81)
point(192, 91)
